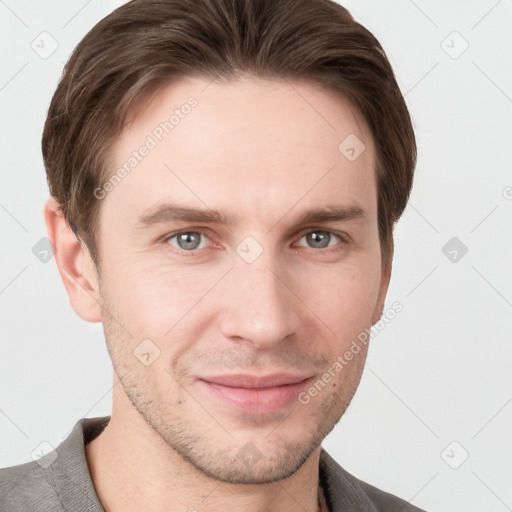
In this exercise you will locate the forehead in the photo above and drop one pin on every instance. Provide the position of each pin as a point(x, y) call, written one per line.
point(261, 144)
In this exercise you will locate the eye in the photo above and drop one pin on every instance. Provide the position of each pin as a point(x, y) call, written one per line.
point(191, 241)
point(187, 240)
point(319, 239)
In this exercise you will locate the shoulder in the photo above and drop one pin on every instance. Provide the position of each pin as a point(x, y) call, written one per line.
point(28, 487)
point(347, 492)
point(386, 501)
point(58, 481)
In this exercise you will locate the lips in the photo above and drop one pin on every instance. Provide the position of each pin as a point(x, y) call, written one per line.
point(255, 394)
point(255, 382)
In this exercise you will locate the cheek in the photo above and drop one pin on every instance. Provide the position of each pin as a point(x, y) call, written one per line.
point(153, 299)
point(343, 298)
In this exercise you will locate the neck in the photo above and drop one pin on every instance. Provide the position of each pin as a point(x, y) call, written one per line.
point(133, 469)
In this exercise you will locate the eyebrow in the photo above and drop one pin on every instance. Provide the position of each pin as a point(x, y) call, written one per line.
point(167, 212)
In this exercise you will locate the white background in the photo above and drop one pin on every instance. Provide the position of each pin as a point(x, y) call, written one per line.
point(438, 373)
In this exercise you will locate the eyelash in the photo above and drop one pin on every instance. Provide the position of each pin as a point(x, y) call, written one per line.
point(194, 252)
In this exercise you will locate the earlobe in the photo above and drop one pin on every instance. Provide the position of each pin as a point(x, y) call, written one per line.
point(74, 263)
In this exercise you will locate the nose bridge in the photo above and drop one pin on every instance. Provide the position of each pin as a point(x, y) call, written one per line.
point(258, 306)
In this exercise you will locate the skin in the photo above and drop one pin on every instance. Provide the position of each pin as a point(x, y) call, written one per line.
point(256, 150)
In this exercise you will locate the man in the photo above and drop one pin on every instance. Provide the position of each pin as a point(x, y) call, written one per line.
point(225, 176)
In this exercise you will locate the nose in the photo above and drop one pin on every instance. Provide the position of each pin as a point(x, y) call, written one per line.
point(258, 303)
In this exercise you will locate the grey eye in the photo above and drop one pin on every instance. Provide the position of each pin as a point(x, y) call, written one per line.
point(319, 239)
point(187, 240)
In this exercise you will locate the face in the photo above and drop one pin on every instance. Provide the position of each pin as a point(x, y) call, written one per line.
point(250, 287)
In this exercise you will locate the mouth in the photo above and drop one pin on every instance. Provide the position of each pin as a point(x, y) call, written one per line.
point(256, 394)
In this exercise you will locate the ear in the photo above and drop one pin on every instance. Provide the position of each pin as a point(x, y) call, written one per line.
point(384, 285)
point(75, 264)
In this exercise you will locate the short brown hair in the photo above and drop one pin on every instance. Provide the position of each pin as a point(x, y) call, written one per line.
point(149, 42)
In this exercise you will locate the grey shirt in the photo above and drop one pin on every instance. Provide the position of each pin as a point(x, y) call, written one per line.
point(64, 483)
